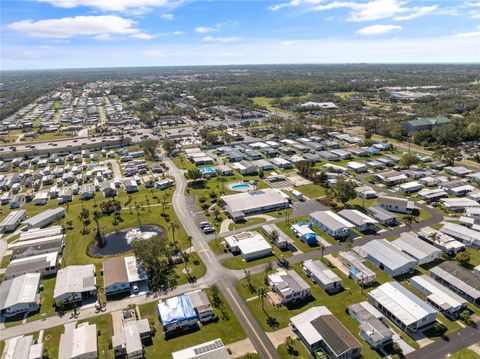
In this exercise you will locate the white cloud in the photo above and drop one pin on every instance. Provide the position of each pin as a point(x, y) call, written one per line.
point(178, 32)
point(101, 27)
point(418, 12)
point(168, 17)
point(142, 36)
point(115, 5)
point(205, 29)
point(217, 27)
point(364, 11)
point(378, 29)
point(221, 39)
point(472, 34)
point(474, 14)
point(154, 53)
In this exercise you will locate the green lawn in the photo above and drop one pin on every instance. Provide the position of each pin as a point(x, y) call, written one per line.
point(237, 262)
point(228, 329)
point(182, 163)
point(336, 303)
point(51, 340)
point(299, 244)
point(196, 266)
point(299, 351)
point(250, 356)
point(311, 190)
point(248, 222)
point(104, 334)
point(465, 354)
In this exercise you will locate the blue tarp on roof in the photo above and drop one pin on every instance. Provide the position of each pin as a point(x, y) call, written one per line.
point(205, 170)
point(176, 309)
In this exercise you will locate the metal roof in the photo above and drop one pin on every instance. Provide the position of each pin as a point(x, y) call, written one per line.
point(414, 246)
point(402, 303)
point(390, 256)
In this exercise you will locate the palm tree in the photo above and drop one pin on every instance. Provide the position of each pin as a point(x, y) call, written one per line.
point(262, 293)
point(189, 238)
point(321, 246)
point(409, 219)
point(173, 227)
point(273, 236)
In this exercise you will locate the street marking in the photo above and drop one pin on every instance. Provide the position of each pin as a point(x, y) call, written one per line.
point(249, 324)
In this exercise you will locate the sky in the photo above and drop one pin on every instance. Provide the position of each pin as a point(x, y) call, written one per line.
point(42, 34)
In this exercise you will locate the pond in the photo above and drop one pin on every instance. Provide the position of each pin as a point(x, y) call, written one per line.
point(120, 241)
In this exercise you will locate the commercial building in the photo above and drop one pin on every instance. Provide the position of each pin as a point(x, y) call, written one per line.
point(372, 329)
point(395, 204)
point(121, 274)
point(177, 313)
point(425, 123)
point(330, 223)
point(416, 248)
point(74, 283)
point(80, 342)
point(443, 299)
point(458, 279)
point(45, 218)
point(242, 204)
point(13, 220)
point(387, 257)
point(212, 349)
point(20, 294)
point(45, 264)
point(288, 286)
point(251, 245)
point(320, 331)
point(402, 307)
point(323, 276)
point(357, 270)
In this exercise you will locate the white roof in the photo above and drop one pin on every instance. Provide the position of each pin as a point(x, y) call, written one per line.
point(390, 256)
point(321, 271)
point(75, 279)
point(402, 303)
point(331, 220)
point(356, 217)
point(34, 233)
point(210, 350)
point(19, 290)
point(438, 294)
point(355, 165)
point(76, 342)
point(255, 199)
point(248, 242)
point(303, 323)
point(467, 235)
point(459, 202)
point(414, 246)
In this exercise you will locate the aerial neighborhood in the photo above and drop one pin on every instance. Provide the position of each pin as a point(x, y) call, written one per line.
point(239, 213)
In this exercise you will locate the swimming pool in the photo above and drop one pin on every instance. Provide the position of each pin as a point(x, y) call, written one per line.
point(241, 187)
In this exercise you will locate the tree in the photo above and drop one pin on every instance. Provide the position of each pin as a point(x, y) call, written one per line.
point(409, 159)
point(149, 146)
point(465, 316)
point(291, 346)
point(85, 219)
point(96, 218)
point(409, 220)
point(194, 174)
point(174, 226)
point(151, 255)
point(273, 236)
point(463, 258)
point(343, 190)
point(397, 349)
point(262, 293)
point(168, 145)
point(321, 246)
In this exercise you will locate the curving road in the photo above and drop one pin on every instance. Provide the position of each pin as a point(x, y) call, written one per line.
point(224, 279)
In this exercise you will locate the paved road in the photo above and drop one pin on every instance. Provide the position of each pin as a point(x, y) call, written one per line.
point(225, 279)
point(89, 311)
point(452, 344)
